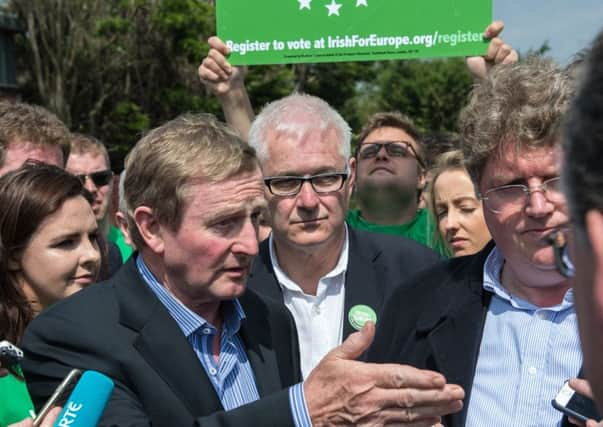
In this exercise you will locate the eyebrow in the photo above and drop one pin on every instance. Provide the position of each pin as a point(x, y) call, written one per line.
point(257, 204)
point(458, 200)
point(70, 235)
point(384, 141)
point(318, 171)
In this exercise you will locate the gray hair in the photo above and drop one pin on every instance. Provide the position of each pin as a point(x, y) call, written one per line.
point(296, 114)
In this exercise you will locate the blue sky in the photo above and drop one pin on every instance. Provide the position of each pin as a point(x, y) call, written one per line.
point(568, 25)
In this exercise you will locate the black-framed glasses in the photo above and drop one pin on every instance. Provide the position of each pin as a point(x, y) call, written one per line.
point(563, 261)
point(516, 195)
point(291, 185)
point(99, 178)
point(392, 148)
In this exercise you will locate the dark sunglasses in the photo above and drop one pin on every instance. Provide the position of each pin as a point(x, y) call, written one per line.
point(99, 179)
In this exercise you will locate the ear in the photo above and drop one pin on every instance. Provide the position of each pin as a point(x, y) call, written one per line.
point(352, 177)
point(122, 224)
point(149, 228)
point(594, 231)
point(13, 264)
point(422, 181)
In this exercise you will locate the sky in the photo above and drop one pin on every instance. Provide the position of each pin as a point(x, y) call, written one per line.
point(567, 25)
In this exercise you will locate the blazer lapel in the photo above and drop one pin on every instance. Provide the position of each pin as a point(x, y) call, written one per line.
point(162, 344)
point(362, 284)
point(262, 278)
point(454, 328)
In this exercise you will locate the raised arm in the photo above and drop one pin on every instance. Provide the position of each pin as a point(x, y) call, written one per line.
point(228, 84)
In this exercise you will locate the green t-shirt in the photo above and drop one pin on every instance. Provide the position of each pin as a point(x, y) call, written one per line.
point(420, 228)
point(15, 403)
point(116, 237)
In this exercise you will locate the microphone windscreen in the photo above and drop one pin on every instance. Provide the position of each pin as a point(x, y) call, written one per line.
point(87, 401)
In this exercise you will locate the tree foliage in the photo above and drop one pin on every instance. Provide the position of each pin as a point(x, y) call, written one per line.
point(115, 68)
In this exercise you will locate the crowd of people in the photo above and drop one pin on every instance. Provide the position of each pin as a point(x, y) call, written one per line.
point(277, 271)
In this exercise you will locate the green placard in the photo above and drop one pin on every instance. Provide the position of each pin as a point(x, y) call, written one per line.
point(292, 31)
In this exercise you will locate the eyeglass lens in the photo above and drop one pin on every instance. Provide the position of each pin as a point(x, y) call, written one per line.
point(395, 149)
point(514, 195)
point(98, 178)
point(323, 183)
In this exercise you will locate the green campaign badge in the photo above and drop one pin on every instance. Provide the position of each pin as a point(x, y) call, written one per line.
point(293, 31)
point(360, 314)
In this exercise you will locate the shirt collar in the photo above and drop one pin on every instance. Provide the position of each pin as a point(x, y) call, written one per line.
point(284, 280)
point(492, 283)
point(188, 320)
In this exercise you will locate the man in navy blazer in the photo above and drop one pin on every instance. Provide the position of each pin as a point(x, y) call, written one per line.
point(332, 278)
point(500, 323)
point(175, 329)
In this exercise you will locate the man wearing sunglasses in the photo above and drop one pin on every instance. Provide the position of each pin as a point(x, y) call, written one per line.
point(89, 161)
point(501, 323)
point(389, 179)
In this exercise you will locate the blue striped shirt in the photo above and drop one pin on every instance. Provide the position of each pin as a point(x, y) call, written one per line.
point(526, 354)
point(232, 376)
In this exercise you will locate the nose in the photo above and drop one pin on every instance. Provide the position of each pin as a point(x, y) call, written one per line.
point(307, 197)
point(90, 256)
point(537, 204)
point(89, 184)
point(247, 240)
point(382, 153)
point(452, 222)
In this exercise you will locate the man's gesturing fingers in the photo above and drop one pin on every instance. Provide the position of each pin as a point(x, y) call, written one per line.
point(402, 376)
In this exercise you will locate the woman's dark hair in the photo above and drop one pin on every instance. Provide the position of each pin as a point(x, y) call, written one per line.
point(27, 197)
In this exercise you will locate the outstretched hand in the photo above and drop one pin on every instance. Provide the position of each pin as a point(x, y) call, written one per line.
point(341, 390)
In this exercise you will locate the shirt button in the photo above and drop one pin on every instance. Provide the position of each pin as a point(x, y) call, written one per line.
point(532, 371)
point(213, 371)
point(315, 310)
point(206, 331)
point(541, 314)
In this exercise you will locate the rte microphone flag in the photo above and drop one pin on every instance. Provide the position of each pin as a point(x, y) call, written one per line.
point(87, 401)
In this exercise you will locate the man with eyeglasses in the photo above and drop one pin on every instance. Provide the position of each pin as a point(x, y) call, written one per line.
point(389, 179)
point(89, 161)
point(331, 277)
point(500, 323)
point(583, 181)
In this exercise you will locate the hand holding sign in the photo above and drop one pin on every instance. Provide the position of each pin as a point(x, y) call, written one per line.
point(228, 84)
point(498, 52)
point(216, 73)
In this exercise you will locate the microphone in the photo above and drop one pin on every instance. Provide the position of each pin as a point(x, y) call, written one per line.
point(87, 401)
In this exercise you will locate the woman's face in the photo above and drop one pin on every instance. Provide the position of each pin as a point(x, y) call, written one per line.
point(62, 255)
point(459, 213)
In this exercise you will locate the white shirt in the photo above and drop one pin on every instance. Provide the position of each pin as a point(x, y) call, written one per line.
point(318, 318)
